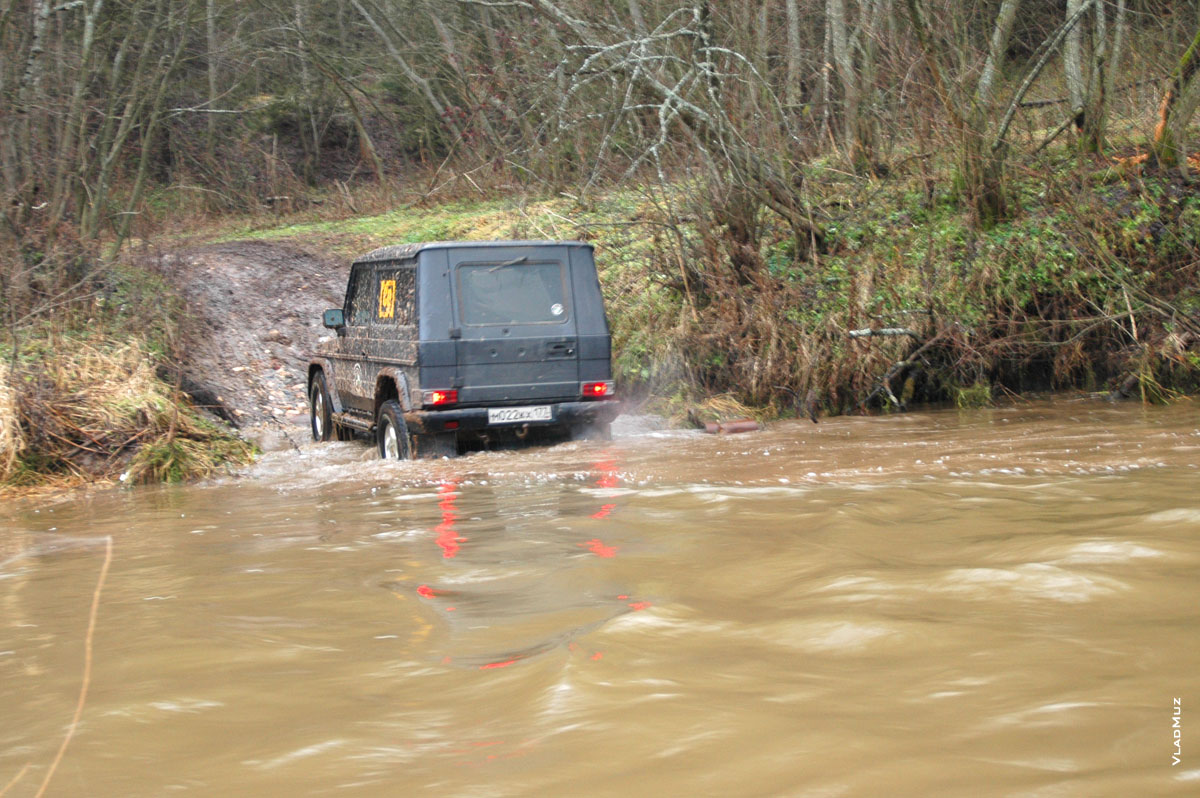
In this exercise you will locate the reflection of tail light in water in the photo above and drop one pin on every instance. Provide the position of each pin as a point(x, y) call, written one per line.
point(447, 533)
point(607, 478)
point(607, 471)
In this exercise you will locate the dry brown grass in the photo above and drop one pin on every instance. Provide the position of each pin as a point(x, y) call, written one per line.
point(12, 440)
point(95, 411)
point(716, 409)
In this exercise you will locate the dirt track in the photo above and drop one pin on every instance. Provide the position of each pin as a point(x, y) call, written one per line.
point(253, 312)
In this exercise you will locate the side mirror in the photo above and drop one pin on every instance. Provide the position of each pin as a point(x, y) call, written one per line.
point(334, 319)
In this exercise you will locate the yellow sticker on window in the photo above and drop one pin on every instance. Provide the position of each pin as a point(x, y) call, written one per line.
point(387, 299)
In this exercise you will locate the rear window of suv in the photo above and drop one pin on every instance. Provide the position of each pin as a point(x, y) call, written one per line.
point(512, 292)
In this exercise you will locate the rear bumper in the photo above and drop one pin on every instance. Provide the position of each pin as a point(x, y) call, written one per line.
point(474, 419)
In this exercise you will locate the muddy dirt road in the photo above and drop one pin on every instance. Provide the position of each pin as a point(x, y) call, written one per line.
point(253, 314)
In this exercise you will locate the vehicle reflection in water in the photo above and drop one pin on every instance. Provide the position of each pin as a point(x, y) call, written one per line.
point(517, 592)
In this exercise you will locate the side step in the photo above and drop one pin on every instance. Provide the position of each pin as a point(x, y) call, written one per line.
point(354, 421)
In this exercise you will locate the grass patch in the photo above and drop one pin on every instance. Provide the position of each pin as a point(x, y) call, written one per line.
point(971, 397)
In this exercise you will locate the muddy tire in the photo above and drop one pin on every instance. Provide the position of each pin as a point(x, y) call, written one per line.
point(391, 433)
point(434, 446)
point(601, 431)
point(320, 409)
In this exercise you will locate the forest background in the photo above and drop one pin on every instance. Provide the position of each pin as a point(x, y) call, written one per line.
point(801, 206)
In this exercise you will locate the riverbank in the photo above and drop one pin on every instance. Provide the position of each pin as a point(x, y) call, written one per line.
point(1092, 286)
point(96, 395)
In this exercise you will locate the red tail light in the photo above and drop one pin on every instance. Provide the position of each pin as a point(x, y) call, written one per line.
point(440, 398)
point(597, 390)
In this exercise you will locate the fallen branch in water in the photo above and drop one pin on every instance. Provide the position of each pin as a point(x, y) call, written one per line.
point(885, 383)
point(811, 406)
point(14, 781)
point(87, 668)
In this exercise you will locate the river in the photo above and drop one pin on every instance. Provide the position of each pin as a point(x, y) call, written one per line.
point(989, 603)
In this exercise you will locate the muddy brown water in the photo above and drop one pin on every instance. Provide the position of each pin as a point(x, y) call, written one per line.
point(986, 603)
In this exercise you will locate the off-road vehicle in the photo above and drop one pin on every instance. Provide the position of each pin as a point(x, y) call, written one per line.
point(452, 345)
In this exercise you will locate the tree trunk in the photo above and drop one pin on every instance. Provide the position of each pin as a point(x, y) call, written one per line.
point(1178, 105)
point(1088, 93)
point(795, 56)
point(1001, 32)
point(67, 164)
point(1095, 110)
point(110, 141)
point(1073, 65)
point(826, 81)
point(858, 151)
point(210, 24)
point(153, 120)
point(366, 147)
point(464, 80)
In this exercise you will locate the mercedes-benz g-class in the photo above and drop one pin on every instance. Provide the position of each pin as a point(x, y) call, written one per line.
point(445, 346)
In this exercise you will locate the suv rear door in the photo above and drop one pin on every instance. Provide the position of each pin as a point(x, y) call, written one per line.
point(515, 318)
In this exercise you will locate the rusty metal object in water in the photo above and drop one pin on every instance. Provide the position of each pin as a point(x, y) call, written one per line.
point(731, 427)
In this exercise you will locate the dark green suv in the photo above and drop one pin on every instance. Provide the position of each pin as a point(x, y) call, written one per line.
point(453, 345)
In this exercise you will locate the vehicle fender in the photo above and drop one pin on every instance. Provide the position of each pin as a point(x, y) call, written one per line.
point(325, 365)
point(402, 386)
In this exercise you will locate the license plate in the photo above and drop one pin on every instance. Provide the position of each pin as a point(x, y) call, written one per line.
point(519, 415)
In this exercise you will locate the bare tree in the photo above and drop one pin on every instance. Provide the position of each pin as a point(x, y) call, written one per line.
point(393, 38)
point(982, 134)
point(854, 29)
point(67, 130)
point(677, 73)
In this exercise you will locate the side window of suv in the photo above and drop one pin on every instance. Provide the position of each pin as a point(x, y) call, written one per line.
point(396, 295)
point(360, 298)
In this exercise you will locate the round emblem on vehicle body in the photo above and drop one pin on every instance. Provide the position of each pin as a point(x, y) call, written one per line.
point(556, 309)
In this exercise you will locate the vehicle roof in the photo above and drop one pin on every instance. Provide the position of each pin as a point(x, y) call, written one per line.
point(405, 251)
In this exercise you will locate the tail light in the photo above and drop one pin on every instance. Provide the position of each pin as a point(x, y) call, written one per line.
point(597, 390)
point(440, 398)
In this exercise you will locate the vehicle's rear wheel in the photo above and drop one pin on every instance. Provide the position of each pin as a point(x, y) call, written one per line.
point(391, 433)
point(599, 431)
point(436, 445)
point(320, 408)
